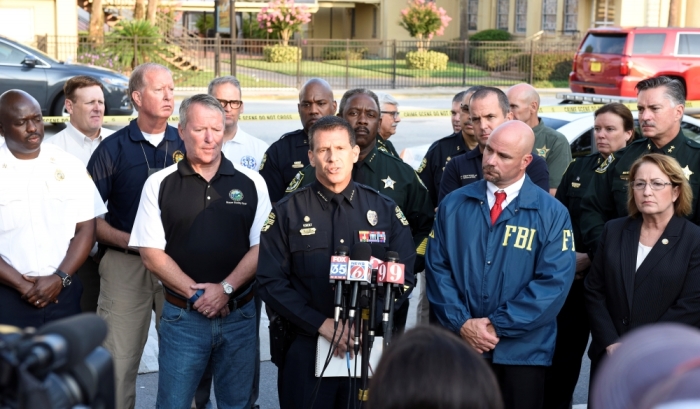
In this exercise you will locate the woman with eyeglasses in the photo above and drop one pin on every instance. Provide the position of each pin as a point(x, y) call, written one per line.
point(647, 267)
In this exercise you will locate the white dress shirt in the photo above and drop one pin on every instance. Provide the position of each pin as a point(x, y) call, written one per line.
point(74, 142)
point(512, 192)
point(245, 150)
point(41, 201)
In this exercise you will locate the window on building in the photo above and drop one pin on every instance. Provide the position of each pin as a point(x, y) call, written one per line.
point(571, 16)
point(520, 16)
point(549, 16)
point(502, 17)
point(473, 10)
point(605, 13)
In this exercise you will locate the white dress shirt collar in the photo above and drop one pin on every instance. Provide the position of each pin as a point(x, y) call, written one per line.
point(511, 191)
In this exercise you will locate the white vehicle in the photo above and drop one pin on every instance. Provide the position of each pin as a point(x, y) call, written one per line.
point(578, 129)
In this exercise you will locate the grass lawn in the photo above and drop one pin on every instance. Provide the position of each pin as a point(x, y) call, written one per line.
point(454, 70)
point(312, 68)
point(202, 79)
point(551, 84)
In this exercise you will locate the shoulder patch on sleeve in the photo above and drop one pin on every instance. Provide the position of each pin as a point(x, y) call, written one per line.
point(295, 183)
point(262, 162)
point(422, 166)
point(604, 166)
point(269, 222)
point(401, 217)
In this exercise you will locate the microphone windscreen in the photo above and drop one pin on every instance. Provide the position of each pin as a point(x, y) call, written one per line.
point(392, 255)
point(361, 251)
point(82, 333)
point(342, 250)
point(378, 251)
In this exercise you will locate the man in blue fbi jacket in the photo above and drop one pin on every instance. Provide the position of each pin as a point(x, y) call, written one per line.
point(500, 262)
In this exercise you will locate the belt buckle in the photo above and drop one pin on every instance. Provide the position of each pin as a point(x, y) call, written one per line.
point(233, 304)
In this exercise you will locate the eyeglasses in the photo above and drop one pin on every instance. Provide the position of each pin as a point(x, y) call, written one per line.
point(234, 104)
point(464, 108)
point(654, 184)
point(394, 114)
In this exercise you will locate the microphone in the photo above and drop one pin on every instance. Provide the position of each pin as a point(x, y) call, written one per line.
point(390, 273)
point(359, 271)
point(64, 343)
point(338, 274)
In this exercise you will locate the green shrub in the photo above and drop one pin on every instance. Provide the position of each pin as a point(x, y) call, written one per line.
point(548, 66)
point(338, 50)
point(426, 60)
point(281, 53)
point(491, 35)
point(491, 59)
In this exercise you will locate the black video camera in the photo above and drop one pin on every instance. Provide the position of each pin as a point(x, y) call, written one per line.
point(60, 366)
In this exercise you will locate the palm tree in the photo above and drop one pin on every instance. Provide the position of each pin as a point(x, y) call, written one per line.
point(140, 10)
point(96, 30)
point(152, 9)
point(674, 13)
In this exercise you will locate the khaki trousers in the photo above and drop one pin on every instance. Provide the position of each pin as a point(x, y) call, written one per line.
point(128, 294)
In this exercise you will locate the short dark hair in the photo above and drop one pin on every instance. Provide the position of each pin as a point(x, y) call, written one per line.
point(205, 100)
point(486, 91)
point(675, 91)
point(459, 96)
point(356, 91)
point(623, 112)
point(77, 82)
point(330, 123)
point(227, 79)
point(428, 355)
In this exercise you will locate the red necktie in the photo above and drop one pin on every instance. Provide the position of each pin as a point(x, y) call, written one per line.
point(496, 209)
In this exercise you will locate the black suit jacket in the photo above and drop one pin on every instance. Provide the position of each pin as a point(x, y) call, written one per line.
point(665, 288)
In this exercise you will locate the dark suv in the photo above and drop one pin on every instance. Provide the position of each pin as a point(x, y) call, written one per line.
point(611, 61)
point(30, 70)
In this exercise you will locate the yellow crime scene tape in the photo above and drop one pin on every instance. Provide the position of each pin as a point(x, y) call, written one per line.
point(573, 108)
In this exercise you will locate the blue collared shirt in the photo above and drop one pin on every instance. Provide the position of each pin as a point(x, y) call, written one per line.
point(120, 166)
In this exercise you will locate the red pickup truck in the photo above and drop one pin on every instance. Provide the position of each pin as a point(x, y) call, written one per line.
point(611, 61)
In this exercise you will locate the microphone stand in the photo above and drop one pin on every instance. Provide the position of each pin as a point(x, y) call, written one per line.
point(368, 324)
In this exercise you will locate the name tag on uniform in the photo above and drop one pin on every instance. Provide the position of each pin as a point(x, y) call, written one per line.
point(372, 236)
point(464, 177)
point(575, 185)
point(308, 232)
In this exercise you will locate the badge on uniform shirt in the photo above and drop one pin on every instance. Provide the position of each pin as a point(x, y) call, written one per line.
point(388, 183)
point(575, 185)
point(297, 165)
point(59, 175)
point(372, 217)
point(687, 172)
point(262, 162)
point(400, 216)
point(295, 183)
point(269, 222)
point(178, 156)
point(235, 195)
point(542, 151)
point(372, 236)
point(308, 231)
point(422, 166)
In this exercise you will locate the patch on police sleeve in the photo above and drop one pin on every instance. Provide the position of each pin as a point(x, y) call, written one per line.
point(422, 166)
point(269, 222)
point(178, 156)
point(262, 163)
point(604, 166)
point(400, 216)
point(295, 183)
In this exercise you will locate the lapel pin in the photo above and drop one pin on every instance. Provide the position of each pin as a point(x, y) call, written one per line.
point(664, 241)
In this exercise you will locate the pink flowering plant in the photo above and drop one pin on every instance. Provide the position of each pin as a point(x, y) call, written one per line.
point(284, 18)
point(424, 20)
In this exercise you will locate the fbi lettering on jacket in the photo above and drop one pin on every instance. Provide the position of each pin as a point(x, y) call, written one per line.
point(522, 238)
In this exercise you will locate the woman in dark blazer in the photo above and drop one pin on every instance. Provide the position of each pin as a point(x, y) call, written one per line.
point(647, 267)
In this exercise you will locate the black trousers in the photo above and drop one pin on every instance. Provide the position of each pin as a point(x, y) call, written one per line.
point(522, 387)
point(572, 339)
point(296, 381)
point(90, 276)
point(17, 312)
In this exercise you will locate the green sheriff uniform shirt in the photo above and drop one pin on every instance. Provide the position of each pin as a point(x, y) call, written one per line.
point(606, 198)
point(385, 145)
point(394, 178)
point(554, 148)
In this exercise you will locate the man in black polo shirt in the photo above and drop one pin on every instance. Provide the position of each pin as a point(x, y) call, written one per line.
point(290, 154)
point(198, 227)
point(119, 167)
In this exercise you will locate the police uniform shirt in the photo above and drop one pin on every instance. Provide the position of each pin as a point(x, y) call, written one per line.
point(283, 160)
point(74, 142)
point(41, 201)
point(606, 199)
point(553, 147)
point(245, 150)
point(577, 178)
point(394, 178)
point(120, 166)
point(433, 164)
point(205, 227)
point(298, 240)
point(386, 146)
point(467, 168)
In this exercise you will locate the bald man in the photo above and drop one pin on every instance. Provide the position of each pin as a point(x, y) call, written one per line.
point(500, 283)
point(549, 144)
point(48, 206)
point(290, 154)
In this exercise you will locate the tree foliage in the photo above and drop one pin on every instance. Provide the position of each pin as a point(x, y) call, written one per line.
point(424, 20)
point(283, 18)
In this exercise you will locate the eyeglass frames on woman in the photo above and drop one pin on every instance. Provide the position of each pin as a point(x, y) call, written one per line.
point(654, 184)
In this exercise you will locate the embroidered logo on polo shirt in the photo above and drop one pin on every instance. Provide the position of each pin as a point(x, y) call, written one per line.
point(248, 162)
point(235, 195)
point(60, 175)
point(178, 156)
